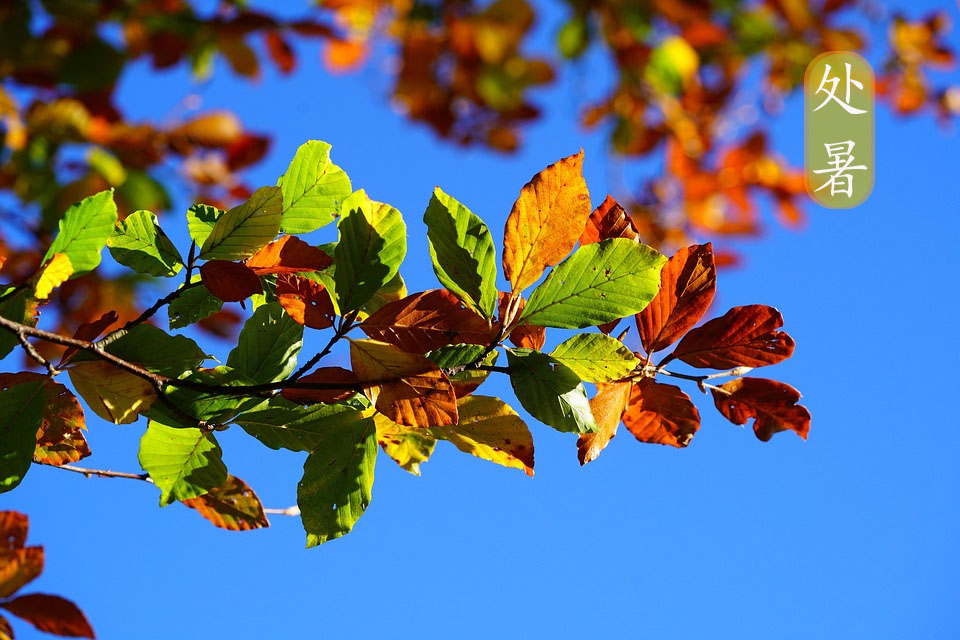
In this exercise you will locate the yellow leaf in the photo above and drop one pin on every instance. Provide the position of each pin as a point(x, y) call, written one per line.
point(112, 393)
point(546, 221)
point(408, 446)
point(57, 271)
point(683, 58)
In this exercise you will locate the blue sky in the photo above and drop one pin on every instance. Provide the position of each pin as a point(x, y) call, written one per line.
point(851, 534)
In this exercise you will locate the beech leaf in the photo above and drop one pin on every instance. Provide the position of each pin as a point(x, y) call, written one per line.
point(744, 336)
point(607, 407)
point(183, 462)
point(313, 188)
point(229, 281)
point(84, 230)
point(550, 391)
point(268, 345)
point(609, 220)
point(112, 393)
point(595, 357)
point(139, 243)
point(661, 414)
point(232, 506)
point(288, 254)
point(772, 404)
point(21, 412)
point(243, 230)
point(52, 614)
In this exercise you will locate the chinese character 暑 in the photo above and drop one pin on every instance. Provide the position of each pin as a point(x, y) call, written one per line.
point(841, 159)
point(831, 91)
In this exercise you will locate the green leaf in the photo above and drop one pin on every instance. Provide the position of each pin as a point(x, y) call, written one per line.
point(139, 243)
point(462, 251)
point(600, 282)
point(84, 230)
point(193, 304)
point(21, 410)
point(13, 308)
point(154, 348)
point(313, 188)
point(281, 424)
point(337, 481)
point(183, 463)
point(455, 355)
point(372, 243)
point(595, 357)
point(213, 407)
point(268, 345)
point(245, 229)
point(550, 391)
point(201, 219)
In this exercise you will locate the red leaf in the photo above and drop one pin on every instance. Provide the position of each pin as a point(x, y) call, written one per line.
point(52, 614)
point(229, 281)
point(13, 530)
point(743, 336)
point(772, 404)
point(687, 284)
point(288, 254)
point(280, 52)
point(661, 414)
point(609, 220)
point(426, 321)
point(246, 151)
point(89, 331)
point(323, 375)
point(306, 301)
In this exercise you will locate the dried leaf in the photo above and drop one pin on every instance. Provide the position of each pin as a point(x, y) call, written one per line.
point(18, 567)
point(229, 281)
point(661, 414)
point(607, 407)
point(525, 336)
point(232, 506)
point(609, 220)
point(744, 336)
point(52, 614)
point(324, 375)
point(112, 393)
point(59, 439)
point(90, 331)
point(306, 301)
point(773, 405)
point(13, 530)
point(289, 254)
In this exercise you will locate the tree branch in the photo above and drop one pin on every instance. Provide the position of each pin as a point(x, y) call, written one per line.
point(147, 314)
point(33, 353)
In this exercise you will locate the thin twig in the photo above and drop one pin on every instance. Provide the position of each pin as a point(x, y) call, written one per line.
point(33, 353)
point(191, 258)
point(346, 324)
point(147, 314)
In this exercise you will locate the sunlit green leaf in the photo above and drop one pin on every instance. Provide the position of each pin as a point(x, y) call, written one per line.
point(268, 345)
point(193, 305)
point(200, 221)
point(550, 391)
point(281, 424)
point(139, 243)
point(84, 230)
point(183, 463)
point(596, 357)
point(243, 230)
point(313, 188)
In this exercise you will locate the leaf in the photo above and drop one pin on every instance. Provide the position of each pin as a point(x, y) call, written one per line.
point(550, 391)
point(229, 281)
point(306, 301)
point(211, 406)
point(232, 506)
point(465, 382)
point(661, 414)
point(52, 614)
point(192, 305)
point(138, 242)
point(337, 481)
point(89, 331)
point(462, 252)
point(18, 567)
point(491, 430)
point(13, 530)
point(609, 220)
point(407, 446)
point(600, 282)
point(372, 243)
point(607, 407)
point(112, 393)
point(59, 440)
point(6, 631)
point(268, 345)
point(688, 282)
point(52, 275)
point(21, 410)
point(288, 254)
point(280, 424)
point(525, 336)
point(183, 462)
point(243, 230)
point(744, 336)
point(594, 357)
point(772, 404)
point(313, 188)
point(201, 219)
point(394, 290)
point(84, 230)
point(154, 348)
point(324, 375)
point(545, 222)
point(405, 387)
point(426, 321)
point(13, 308)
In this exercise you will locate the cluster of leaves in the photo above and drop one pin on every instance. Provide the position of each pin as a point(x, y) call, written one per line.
point(412, 379)
point(19, 565)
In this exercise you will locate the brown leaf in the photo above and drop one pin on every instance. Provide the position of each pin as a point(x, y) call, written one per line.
point(13, 530)
point(526, 336)
point(405, 387)
point(306, 301)
point(609, 220)
point(6, 631)
point(661, 414)
point(687, 284)
point(229, 281)
point(607, 407)
point(426, 321)
point(280, 52)
point(325, 375)
point(213, 130)
point(772, 404)
point(89, 331)
point(52, 614)
point(18, 567)
point(545, 222)
point(233, 506)
point(742, 337)
point(288, 254)
point(60, 437)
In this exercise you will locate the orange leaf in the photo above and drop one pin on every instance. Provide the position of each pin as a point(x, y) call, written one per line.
point(90, 331)
point(545, 222)
point(229, 281)
point(324, 375)
point(526, 336)
point(52, 614)
point(306, 301)
point(233, 506)
point(744, 336)
point(288, 254)
point(661, 414)
point(341, 56)
point(607, 407)
point(426, 321)
point(609, 220)
point(772, 404)
point(687, 284)
point(405, 387)
point(18, 567)
point(13, 530)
